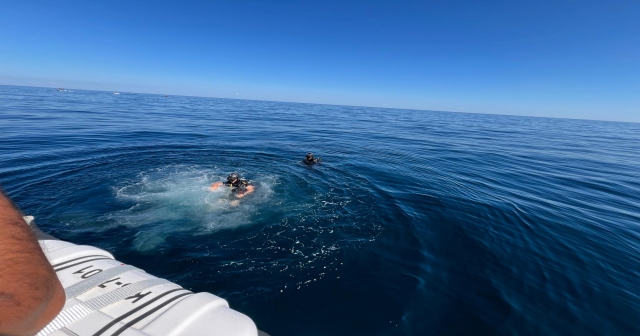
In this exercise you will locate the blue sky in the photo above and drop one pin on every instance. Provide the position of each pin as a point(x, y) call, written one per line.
point(574, 59)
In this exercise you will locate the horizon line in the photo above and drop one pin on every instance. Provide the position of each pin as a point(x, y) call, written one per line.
point(327, 104)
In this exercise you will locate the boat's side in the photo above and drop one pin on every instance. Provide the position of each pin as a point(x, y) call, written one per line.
point(107, 297)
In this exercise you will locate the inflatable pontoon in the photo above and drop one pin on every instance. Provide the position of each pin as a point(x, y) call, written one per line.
point(107, 297)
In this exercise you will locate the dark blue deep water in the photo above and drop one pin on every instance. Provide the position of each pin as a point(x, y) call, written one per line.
point(417, 222)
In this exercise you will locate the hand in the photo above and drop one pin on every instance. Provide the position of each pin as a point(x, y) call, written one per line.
point(215, 186)
point(245, 192)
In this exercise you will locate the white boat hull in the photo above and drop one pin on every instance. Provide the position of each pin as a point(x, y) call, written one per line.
point(107, 297)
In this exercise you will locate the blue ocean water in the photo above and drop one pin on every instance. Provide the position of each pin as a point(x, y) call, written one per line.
point(416, 223)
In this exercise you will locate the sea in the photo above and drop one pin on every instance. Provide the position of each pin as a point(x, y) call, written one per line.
point(415, 222)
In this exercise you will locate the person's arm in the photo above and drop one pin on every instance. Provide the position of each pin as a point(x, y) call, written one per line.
point(30, 293)
point(248, 190)
point(215, 186)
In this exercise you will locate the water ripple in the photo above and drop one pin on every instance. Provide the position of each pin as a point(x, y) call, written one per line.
point(416, 223)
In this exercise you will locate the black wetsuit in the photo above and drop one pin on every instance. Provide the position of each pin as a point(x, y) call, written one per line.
point(239, 187)
point(312, 161)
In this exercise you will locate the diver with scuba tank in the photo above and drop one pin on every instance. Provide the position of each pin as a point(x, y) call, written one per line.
point(310, 159)
point(239, 187)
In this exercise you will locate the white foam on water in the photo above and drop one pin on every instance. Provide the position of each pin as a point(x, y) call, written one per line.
point(177, 198)
point(311, 227)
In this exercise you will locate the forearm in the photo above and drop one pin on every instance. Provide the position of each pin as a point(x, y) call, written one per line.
point(30, 293)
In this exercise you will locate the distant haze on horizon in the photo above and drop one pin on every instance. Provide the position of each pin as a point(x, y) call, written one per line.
point(566, 59)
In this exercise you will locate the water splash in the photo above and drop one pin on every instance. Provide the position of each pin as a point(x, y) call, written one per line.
point(177, 199)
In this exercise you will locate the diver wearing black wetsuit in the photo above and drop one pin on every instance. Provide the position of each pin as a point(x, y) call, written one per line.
point(237, 185)
point(310, 160)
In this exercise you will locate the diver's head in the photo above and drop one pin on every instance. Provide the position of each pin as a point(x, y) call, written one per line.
point(233, 177)
point(309, 156)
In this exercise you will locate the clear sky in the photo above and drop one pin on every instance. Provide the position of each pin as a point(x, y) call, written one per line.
point(575, 59)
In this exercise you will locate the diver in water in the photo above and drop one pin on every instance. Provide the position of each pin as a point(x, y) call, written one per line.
point(309, 159)
point(239, 187)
